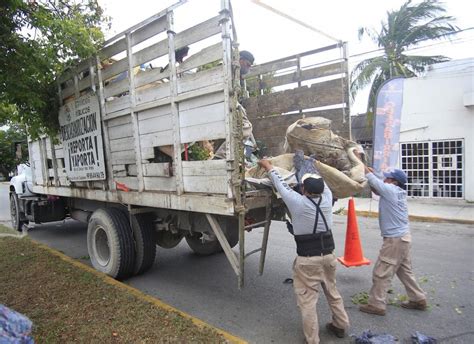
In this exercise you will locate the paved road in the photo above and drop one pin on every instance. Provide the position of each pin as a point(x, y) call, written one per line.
point(4, 203)
point(265, 312)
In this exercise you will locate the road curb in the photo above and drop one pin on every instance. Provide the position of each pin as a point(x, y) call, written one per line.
point(139, 294)
point(417, 218)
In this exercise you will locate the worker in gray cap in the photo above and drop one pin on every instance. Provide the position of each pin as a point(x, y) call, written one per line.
point(394, 256)
point(246, 61)
point(315, 264)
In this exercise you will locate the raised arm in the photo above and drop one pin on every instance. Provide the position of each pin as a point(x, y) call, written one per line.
point(376, 185)
point(291, 198)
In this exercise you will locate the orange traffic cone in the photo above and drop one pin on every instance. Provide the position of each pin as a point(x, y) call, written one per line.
point(353, 255)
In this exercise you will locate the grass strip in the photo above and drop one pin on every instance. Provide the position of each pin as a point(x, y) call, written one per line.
point(7, 230)
point(67, 304)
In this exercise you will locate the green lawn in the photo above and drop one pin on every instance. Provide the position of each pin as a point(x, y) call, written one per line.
point(7, 230)
point(68, 304)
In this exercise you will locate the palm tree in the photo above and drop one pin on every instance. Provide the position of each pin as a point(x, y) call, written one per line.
point(404, 29)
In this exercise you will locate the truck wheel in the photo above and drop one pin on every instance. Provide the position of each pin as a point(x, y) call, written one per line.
point(110, 243)
point(207, 247)
point(145, 248)
point(16, 215)
point(167, 239)
point(200, 247)
point(232, 231)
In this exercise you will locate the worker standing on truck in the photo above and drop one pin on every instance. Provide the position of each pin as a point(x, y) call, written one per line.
point(246, 61)
point(394, 256)
point(315, 263)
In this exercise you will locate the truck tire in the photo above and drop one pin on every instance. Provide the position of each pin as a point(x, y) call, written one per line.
point(205, 248)
point(200, 247)
point(167, 239)
point(145, 248)
point(110, 243)
point(232, 231)
point(17, 216)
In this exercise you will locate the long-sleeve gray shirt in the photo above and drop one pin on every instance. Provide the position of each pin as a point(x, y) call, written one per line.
point(302, 210)
point(393, 210)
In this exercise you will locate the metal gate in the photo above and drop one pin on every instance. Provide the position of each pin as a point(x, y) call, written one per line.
point(435, 168)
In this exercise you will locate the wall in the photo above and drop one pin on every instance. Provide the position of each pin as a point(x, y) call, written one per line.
point(434, 109)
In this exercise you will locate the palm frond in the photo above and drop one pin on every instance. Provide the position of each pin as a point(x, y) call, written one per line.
point(403, 70)
point(403, 28)
point(436, 28)
point(373, 35)
point(418, 63)
point(365, 71)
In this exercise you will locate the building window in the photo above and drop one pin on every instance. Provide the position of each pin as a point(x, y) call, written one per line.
point(434, 169)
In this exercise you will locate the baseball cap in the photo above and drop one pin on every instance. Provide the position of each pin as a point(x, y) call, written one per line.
point(313, 183)
point(247, 55)
point(398, 175)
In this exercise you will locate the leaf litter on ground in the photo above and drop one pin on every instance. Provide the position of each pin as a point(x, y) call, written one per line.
point(361, 298)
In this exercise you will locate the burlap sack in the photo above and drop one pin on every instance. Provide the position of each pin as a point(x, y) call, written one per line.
point(336, 161)
point(341, 185)
point(313, 136)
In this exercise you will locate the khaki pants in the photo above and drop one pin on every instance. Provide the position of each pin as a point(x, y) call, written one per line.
point(394, 258)
point(308, 274)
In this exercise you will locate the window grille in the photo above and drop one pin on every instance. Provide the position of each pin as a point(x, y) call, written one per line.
point(434, 169)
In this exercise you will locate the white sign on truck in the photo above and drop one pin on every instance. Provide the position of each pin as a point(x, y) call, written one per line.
point(81, 135)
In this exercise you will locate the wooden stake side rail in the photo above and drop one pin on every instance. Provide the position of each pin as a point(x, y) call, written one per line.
point(312, 83)
point(147, 113)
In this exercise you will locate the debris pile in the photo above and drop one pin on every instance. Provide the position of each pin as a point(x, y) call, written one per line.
point(367, 337)
point(334, 157)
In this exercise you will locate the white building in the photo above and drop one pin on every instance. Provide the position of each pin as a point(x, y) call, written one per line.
point(437, 131)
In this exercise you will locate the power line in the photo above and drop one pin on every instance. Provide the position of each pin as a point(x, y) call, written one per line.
point(453, 41)
point(455, 65)
point(421, 40)
point(447, 75)
point(419, 50)
point(456, 41)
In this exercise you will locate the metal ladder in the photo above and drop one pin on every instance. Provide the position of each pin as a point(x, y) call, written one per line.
point(238, 262)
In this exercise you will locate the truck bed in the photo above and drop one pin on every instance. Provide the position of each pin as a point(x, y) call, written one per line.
point(117, 120)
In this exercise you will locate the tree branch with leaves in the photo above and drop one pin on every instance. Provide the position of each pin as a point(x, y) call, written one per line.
point(38, 40)
point(12, 142)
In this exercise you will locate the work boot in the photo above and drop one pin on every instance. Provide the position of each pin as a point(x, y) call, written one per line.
point(372, 310)
point(338, 332)
point(419, 305)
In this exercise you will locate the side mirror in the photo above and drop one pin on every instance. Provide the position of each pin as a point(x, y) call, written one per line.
point(18, 148)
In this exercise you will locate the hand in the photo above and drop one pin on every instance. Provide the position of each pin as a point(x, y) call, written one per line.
point(368, 169)
point(265, 164)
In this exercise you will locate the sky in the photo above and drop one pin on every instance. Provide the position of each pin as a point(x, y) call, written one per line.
point(269, 36)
